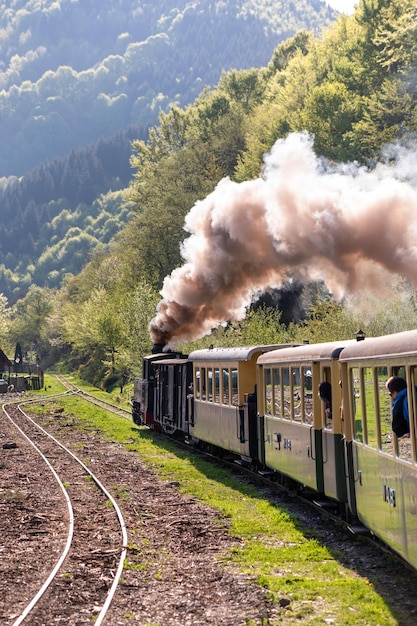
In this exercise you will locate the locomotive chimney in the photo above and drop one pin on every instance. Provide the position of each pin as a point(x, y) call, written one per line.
point(157, 348)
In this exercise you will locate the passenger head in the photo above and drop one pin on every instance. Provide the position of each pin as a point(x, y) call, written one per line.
point(325, 391)
point(395, 384)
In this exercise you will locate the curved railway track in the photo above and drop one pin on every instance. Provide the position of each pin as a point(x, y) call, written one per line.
point(82, 561)
point(109, 406)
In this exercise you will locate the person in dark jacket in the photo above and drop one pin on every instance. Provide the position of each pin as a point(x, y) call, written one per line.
point(325, 394)
point(397, 388)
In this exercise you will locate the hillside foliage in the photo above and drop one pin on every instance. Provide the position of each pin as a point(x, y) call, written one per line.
point(73, 72)
point(55, 216)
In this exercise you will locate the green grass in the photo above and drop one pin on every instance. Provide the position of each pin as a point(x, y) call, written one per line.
point(274, 549)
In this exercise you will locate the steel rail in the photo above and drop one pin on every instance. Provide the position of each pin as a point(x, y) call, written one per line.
point(99, 619)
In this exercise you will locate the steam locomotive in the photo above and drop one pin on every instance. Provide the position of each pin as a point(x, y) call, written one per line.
point(261, 405)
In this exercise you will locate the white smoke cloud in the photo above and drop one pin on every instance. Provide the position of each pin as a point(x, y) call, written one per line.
point(347, 225)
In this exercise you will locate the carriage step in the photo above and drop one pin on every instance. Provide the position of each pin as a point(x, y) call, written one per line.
point(266, 473)
point(327, 505)
point(358, 529)
point(242, 462)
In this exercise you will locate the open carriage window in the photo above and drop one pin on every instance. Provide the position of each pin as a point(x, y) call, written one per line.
point(210, 384)
point(235, 393)
point(203, 383)
point(216, 373)
point(297, 395)
point(277, 392)
point(325, 393)
point(384, 409)
point(308, 395)
point(356, 399)
point(197, 384)
point(226, 386)
point(288, 387)
point(371, 408)
point(404, 446)
point(268, 390)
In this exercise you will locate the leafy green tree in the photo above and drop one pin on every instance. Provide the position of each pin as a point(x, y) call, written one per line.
point(289, 48)
point(395, 38)
point(29, 321)
point(381, 315)
point(95, 332)
point(330, 321)
point(260, 326)
point(5, 323)
point(137, 309)
point(388, 115)
point(328, 113)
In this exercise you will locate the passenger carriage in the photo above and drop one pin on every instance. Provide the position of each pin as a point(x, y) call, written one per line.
point(383, 489)
point(224, 403)
point(300, 440)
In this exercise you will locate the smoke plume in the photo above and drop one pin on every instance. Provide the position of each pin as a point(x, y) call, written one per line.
point(354, 228)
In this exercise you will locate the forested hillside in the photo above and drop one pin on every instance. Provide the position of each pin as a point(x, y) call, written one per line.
point(56, 215)
point(72, 72)
point(296, 179)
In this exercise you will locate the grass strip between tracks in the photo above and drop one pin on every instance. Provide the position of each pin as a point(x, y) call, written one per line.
point(275, 550)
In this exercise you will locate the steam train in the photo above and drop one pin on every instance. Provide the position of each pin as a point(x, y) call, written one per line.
point(261, 405)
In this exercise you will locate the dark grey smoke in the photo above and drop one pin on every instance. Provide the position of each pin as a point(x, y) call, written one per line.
point(288, 299)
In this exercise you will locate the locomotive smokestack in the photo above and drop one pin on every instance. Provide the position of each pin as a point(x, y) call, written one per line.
point(304, 218)
point(157, 348)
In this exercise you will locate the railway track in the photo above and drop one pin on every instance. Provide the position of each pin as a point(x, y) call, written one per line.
point(78, 531)
point(176, 584)
point(109, 406)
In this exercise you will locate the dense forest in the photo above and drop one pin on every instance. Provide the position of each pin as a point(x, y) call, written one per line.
point(294, 181)
point(73, 72)
point(66, 208)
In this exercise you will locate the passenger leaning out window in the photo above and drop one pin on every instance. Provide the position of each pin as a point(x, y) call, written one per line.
point(397, 388)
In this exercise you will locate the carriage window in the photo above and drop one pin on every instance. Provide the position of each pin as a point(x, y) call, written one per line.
point(384, 402)
point(308, 395)
point(268, 391)
point(277, 392)
point(216, 372)
point(197, 383)
point(404, 443)
point(371, 412)
point(405, 451)
point(203, 383)
point(356, 404)
point(235, 395)
point(226, 387)
point(297, 395)
point(286, 379)
point(210, 384)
